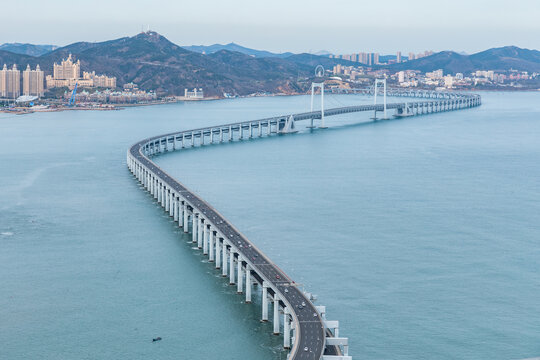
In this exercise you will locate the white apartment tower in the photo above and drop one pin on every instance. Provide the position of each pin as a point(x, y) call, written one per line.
point(33, 81)
point(10, 82)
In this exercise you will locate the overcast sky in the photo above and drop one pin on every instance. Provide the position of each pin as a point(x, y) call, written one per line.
point(339, 26)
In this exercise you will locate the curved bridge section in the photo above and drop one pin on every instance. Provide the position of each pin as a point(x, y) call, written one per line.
point(306, 331)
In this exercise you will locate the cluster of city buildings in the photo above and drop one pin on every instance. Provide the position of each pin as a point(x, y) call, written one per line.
point(129, 95)
point(68, 73)
point(65, 74)
point(437, 78)
point(434, 79)
point(375, 58)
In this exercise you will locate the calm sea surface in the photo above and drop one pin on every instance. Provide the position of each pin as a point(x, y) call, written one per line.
point(421, 235)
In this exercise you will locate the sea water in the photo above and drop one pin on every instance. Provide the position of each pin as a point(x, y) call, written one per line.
point(420, 235)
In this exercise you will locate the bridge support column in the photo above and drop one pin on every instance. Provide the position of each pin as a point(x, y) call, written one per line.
point(286, 329)
point(172, 196)
point(192, 139)
point(230, 134)
point(220, 135)
point(163, 199)
point(240, 276)
point(200, 232)
point(186, 220)
point(260, 129)
point(205, 239)
point(231, 267)
point(248, 284)
point(276, 314)
point(264, 301)
point(218, 252)
point(224, 270)
point(175, 208)
point(211, 244)
point(180, 210)
point(195, 227)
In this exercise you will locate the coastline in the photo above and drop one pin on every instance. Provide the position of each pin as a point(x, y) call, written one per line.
point(111, 107)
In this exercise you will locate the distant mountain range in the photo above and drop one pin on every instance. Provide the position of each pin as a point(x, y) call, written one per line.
point(155, 63)
point(28, 49)
point(235, 47)
point(498, 59)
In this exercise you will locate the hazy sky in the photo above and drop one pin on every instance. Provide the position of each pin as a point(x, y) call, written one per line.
point(339, 26)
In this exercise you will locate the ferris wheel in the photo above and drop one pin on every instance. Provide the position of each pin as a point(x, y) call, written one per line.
point(319, 71)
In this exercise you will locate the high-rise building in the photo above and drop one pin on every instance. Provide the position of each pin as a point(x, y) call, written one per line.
point(33, 81)
point(3, 81)
point(10, 82)
point(398, 57)
point(67, 69)
point(376, 58)
point(412, 56)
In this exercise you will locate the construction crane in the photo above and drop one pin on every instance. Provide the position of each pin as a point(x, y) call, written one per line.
point(72, 98)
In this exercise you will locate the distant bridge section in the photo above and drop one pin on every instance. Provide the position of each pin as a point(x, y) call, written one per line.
point(306, 331)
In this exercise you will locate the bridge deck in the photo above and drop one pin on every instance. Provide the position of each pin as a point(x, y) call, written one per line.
point(309, 326)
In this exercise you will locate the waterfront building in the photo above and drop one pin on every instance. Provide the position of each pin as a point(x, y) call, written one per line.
point(100, 80)
point(67, 69)
point(68, 73)
point(435, 75)
point(398, 57)
point(33, 82)
point(10, 82)
point(448, 81)
point(194, 94)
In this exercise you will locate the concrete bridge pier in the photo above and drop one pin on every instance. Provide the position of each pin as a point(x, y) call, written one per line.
point(231, 267)
point(264, 302)
point(230, 133)
point(194, 227)
point(180, 213)
point(240, 277)
point(211, 244)
point(248, 284)
point(224, 270)
point(175, 208)
point(186, 220)
point(172, 197)
point(286, 329)
point(205, 238)
point(276, 314)
point(200, 231)
point(218, 251)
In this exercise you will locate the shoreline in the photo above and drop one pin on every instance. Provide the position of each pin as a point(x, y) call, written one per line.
point(114, 107)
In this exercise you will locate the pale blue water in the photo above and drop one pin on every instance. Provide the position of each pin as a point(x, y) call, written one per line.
point(421, 236)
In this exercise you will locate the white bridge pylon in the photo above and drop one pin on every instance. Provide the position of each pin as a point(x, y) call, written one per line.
point(375, 91)
point(320, 85)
